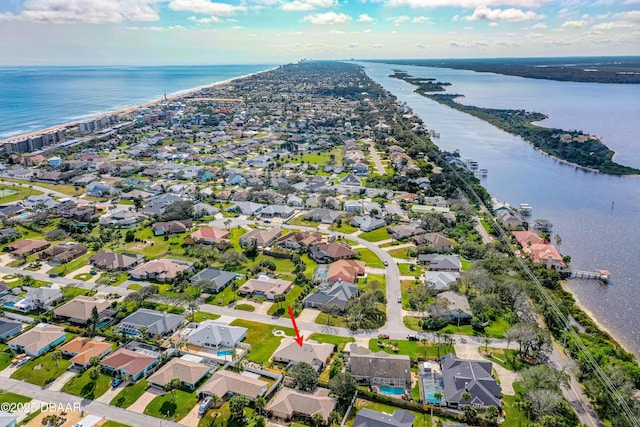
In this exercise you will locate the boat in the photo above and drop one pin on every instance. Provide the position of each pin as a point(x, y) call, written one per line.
point(525, 209)
point(542, 224)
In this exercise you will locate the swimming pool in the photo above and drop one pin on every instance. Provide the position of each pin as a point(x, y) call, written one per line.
point(392, 391)
point(224, 353)
point(429, 393)
point(102, 324)
point(9, 304)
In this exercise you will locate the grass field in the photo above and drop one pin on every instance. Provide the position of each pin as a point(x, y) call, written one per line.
point(370, 259)
point(401, 253)
point(166, 407)
point(260, 336)
point(9, 397)
point(111, 423)
point(496, 329)
point(129, 394)
point(11, 194)
point(5, 360)
point(82, 385)
point(405, 270)
point(344, 228)
point(412, 349)
point(289, 301)
point(337, 321)
point(200, 316)
point(245, 307)
point(42, 370)
point(340, 342)
point(370, 285)
point(221, 417)
point(299, 220)
point(514, 417)
point(69, 267)
point(68, 189)
point(376, 235)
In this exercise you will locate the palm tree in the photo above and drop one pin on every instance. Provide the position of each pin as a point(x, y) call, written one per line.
point(144, 331)
point(486, 340)
point(466, 396)
point(317, 419)
point(260, 404)
point(56, 356)
point(437, 395)
point(171, 386)
point(227, 223)
point(423, 342)
point(558, 240)
point(334, 418)
point(193, 306)
point(94, 374)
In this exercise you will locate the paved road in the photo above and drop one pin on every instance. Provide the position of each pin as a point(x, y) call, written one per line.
point(88, 406)
point(376, 159)
point(47, 191)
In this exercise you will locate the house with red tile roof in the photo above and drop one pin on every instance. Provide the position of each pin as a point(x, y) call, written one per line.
point(209, 235)
point(133, 363)
point(346, 270)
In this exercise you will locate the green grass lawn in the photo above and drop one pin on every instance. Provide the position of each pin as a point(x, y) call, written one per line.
point(376, 235)
point(42, 370)
point(245, 307)
point(466, 265)
point(82, 385)
point(5, 360)
point(64, 269)
point(166, 407)
point(299, 220)
point(401, 253)
point(514, 417)
point(9, 397)
point(421, 420)
point(200, 316)
point(344, 228)
point(412, 349)
point(412, 323)
point(325, 319)
point(227, 295)
point(370, 285)
point(496, 329)
point(260, 336)
point(405, 270)
point(291, 298)
point(370, 259)
point(508, 359)
point(21, 193)
point(134, 287)
point(221, 417)
point(112, 279)
point(128, 395)
point(332, 339)
point(111, 423)
point(74, 291)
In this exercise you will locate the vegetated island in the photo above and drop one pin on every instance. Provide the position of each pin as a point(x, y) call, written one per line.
point(584, 150)
point(611, 69)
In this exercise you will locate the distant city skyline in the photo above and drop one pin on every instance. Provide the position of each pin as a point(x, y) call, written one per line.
point(159, 32)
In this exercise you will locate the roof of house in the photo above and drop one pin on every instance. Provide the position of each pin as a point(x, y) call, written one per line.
point(348, 268)
point(369, 418)
point(7, 325)
point(113, 260)
point(288, 401)
point(441, 262)
point(81, 307)
point(217, 276)
point(84, 349)
point(441, 279)
point(304, 238)
point(335, 250)
point(128, 360)
point(261, 237)
point(540, 253)
point(162, 268)
point(337, 295)
point(27, 245)
point(365, 363)
point(456, 301)
point(217, 333)
point(43, 293)
point(527, 237)
point(266, 285)
point(210, 233)
point(473, 376)
point(188, 372)
point(223, 382)
point(310, 352)
point(158, 322)
point(38, 337)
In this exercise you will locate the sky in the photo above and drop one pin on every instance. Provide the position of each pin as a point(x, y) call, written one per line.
point(158, 32)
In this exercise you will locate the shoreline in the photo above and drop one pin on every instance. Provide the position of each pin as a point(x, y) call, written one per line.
point(126, 110)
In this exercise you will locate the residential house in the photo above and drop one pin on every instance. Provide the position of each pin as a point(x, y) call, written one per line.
point(38, 340)
point(64, 252)
point(209, 235)
point(527, 238)
point(403, 232)
point(112, 261)
point(9, 328)
point(211, 334)
point(311, 352)
point(246, 208)
point(289, 402)
point(226, 384)
point(172, 227)
point(295, 201)
point(80, 350)
point(133, 363)
point(8, 419)
point(162, 270)
point(80, 309)
point(437, 262)
point(260, 238)
point(352, 206)
point(458, 306)
point(510, 219)
point(324, 216)
point(436, 241)
point(266, 287)
point(462, 376)
point(8, 235)
point(441, 279)
point(345, 271)
point(214, 279)
point(188, 372)
point(277, 211)
point(329, 252)
point(121, 218)
point(204, 209)
point(370, 418)
point(367, 222)
point(299, 241)
point(39, 298)
point(351, 180)
point(545, 254)
point(337, 296)
point(27, 247)
point(149, 323)
point(39, 202)
point(100, 189)
point(379, 368)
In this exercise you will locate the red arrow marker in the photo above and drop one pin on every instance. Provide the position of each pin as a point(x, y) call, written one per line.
point(299, 338)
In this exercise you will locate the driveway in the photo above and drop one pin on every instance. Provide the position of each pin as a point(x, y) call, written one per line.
point(139, 405)
point(61, 381)
point(505, 376)
point(111, 393)
point(83, 270)
point(308, 315)
point(192, 418)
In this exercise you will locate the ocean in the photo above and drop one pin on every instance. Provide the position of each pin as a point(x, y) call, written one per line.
point(33, 98)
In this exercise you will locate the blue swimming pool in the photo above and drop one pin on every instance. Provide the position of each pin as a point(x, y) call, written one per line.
point(9, 304)
point(392, 391)
point(102, 324)
point(429, 393)
point(224, 353)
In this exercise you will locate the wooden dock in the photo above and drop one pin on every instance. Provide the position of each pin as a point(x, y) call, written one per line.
point(602, 275)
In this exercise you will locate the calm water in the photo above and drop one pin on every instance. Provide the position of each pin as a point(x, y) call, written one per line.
point(578, 203)
point(33, 98)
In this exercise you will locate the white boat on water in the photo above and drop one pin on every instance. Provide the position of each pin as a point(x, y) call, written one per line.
point(525, 209)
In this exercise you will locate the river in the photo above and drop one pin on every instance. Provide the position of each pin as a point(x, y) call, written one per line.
point(577, 202)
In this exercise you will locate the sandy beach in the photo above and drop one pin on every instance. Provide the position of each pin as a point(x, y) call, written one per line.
point(127, 110)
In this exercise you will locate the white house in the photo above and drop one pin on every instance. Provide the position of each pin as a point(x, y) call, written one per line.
point(215, 335)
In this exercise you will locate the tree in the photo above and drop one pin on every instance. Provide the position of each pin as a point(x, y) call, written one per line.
point(94, 321)
point(56, 356)
point(470, 414)
point(260, 403)
point(193, 306)
point(558, 240)
point(143, 294)
point(543, 377)
point(94, 361)
point(317, 419)
point(172, 386)
point(227, 223)
point(129, 236)
point(236, 406)
point(232, 259)
point(94, 373)
point(334, 418)
point(466, 396)
point(491, 415)
point(304, 376)
point(343, 385)
point(543, 402)
point(438, 396)
point(486, 340)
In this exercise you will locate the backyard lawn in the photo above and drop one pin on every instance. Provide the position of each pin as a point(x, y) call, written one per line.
point(496, 329)
point(340, 342)
point(166, 406)
point(5, 360)
point(42, 370)
point(412, 349)
point(370, 259)
point(370, 285)
point(260, 336)
point(299, 220)
point(376, 235)
point(82, 385)
point(130, 394)
point(515, 417)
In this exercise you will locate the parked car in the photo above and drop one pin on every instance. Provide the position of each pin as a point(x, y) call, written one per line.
point(116, 382)
point(204, 406)
point(399, 300)
point(383, 336)
point(385, 262)
point(23, 361)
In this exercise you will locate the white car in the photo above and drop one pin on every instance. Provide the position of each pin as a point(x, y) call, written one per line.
point(23, 361)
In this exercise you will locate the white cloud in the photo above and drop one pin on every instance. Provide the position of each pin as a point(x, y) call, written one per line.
point(304, 5)
point(493, 24)
point(8, 16)
point(454, 44)
point(633, 15)
point(365, 18)
point(574, 24)
point(430, 4)
point(539, 26)
point(334, 31)
point(205, 20)
point(468, 28)
point(421, 46)
point(328, 18)
point(237, 27)
point(377, 45)
point(420, 20)
point(353, 45)
point(614, 25)
point(368, 30)
point(399, 20)
point(82, 11)
point(483, 13)
point(205, 7)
